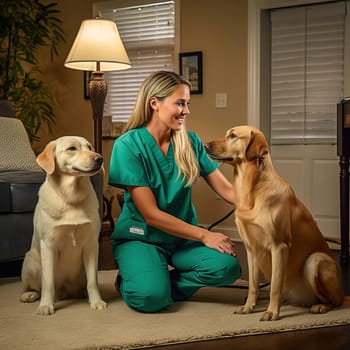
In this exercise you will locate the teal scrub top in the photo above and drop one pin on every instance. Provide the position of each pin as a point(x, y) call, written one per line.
point(137, 160)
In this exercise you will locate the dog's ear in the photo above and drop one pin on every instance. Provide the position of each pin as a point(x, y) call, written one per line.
point(257, 146)
point(46, 159)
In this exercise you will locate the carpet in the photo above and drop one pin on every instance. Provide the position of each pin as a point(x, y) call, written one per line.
point(207, 315)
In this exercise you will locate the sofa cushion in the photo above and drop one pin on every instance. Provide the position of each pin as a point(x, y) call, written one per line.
point(19, 191)
point(16, 153)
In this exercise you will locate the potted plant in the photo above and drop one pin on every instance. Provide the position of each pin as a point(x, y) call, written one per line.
point(26, 26)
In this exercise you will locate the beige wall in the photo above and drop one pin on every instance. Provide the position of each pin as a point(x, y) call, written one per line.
point(218, 29)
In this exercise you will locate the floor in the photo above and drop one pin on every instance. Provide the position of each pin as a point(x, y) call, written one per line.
point(332, 338)
point(335, 338)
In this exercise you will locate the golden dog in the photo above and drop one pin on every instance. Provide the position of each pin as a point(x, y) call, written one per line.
point(280, 235)
point(62, 260)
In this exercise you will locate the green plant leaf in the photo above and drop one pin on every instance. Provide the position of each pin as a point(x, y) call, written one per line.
point(25, 27)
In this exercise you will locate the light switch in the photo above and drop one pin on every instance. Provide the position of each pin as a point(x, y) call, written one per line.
point(221, 100)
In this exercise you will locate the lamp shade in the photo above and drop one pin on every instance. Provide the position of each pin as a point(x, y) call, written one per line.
point(97, 46)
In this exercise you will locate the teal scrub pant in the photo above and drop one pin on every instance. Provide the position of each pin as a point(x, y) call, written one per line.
point(147, 285)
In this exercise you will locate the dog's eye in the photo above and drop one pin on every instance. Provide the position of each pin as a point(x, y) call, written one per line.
point(232, 136)
point(71, 148)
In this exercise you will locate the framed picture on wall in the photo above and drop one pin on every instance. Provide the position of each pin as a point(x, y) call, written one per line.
point(191, 69)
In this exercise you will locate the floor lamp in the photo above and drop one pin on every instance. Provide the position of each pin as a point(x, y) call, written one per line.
point(97, 48)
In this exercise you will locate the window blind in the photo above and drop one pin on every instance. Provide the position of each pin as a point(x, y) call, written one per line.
point(307, 71)
point(148, 34)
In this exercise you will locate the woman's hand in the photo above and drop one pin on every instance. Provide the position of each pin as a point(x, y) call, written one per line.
point(219, 242)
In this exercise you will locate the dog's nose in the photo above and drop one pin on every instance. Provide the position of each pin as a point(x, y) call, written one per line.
point(99, 160)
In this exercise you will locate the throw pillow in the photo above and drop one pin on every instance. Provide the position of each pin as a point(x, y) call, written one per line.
point(16, 153)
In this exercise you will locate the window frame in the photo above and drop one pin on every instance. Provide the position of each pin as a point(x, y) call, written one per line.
point(258, 60)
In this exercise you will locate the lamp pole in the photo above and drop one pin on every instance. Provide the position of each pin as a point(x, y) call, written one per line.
point(98, 92)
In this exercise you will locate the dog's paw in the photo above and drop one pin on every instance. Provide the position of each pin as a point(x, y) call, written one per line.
point(244, 309)
point(98, 305)
point(45, 310)
point(29, 297)
point(320, 308)
point(269, 316)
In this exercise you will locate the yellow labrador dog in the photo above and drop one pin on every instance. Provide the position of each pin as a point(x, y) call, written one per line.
point(62, 260)
point(280, 235)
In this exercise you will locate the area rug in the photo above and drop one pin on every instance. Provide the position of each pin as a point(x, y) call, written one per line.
point(207, 315)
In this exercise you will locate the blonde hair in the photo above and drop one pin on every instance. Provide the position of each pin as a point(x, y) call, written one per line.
point(162, 84)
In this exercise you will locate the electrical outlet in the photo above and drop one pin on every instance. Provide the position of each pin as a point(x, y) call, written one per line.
point(221, 100)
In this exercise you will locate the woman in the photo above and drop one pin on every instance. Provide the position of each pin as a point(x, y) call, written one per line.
point(156, 162)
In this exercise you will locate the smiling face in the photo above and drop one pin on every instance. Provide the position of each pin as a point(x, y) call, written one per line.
point(72, 155)
point(76, 155)
point(172, 111)
point(241, 143)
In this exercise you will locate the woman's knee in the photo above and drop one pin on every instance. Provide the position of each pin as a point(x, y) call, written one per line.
point(147, 297)
point(223, 271)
